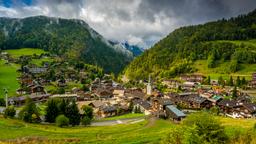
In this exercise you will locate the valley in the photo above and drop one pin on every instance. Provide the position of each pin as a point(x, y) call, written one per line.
point(63, 82)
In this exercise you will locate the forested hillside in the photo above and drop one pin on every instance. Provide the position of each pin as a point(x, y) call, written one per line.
point(72, 39)
point(215, 42)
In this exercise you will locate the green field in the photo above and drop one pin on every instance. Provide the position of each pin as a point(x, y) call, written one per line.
point(8, 78)
point(15, 53)
point(142, 132)
point(222, 70)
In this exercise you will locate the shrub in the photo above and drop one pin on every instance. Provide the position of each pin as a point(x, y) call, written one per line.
point(86, 121)
point(88, 111)
point(2, 102)
point(62, 121)
point(10, 112)
point(30, 112)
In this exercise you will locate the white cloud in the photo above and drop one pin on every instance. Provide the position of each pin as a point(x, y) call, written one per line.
point(140, 22)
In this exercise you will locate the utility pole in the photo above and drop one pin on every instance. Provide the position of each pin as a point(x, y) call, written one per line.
point(6, 97)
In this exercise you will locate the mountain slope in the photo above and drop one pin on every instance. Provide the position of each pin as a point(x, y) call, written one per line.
point(177, 53)
point(69, 38)
point(136, 50)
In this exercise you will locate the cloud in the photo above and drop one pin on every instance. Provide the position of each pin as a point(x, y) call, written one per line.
point(142, 22)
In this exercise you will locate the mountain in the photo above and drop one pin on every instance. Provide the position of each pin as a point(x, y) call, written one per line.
point(230, 42)
point(68, 38)
point(136, 50)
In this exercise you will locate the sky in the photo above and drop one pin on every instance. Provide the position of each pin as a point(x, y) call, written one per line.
point(140, 22)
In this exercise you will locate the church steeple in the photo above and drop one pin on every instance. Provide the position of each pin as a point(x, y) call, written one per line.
point(149, 86)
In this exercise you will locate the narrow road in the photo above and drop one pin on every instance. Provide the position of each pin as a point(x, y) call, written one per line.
point(116, 122)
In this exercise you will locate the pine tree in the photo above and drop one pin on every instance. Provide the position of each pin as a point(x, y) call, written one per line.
point(73, 114)
point(238, 82)
point(243, 82)
point(221, 81)
point(234, 93)
point(63, 105)
point(208, 80)
point(52, 110)
point(230, 82)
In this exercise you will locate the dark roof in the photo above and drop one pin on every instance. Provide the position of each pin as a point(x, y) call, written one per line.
point(108, 108)
point(250, 106)
point(228, 103)
point(166, 102)
point(188, 97)
point(146, 105)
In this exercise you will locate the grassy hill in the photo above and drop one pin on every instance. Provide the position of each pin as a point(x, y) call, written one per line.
point(8, 78)
point(226, 46)
point(143, 132)
point(8, 71)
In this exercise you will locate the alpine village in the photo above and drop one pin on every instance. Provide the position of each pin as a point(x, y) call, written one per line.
point(62, 82)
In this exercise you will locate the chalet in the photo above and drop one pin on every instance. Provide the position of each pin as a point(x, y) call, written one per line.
point(119, 95)
point(190, 100)
point(193, 78)
point(37, 70)
point(252, 83)
point(18, 101)
point(249, 110)
point(26, 79)
point(135, 94)
point(190, 85)
point(160, 104)
point(96, 104)
point(171, 83)
point(85, 96)
point(103, 94)
point(173, 113)
point(237, 109)
point(254, 76)
point(228, 107)
point(211, 97)
point(144, 106)
point(107, 111)
point(37, 89)
point(21, 91)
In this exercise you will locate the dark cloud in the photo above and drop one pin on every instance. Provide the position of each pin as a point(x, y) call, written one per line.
point(137, 21)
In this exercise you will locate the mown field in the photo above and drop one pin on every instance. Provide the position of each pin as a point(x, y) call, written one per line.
point(8, 74)
point(143, 132)
point(133, 133)
point(15, 53)
point(8, 78)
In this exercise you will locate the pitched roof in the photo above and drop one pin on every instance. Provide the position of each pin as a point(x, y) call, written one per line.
point(250, 106)
point(176, 111)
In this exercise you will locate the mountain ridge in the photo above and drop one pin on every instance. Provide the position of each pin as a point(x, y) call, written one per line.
point(69, 38)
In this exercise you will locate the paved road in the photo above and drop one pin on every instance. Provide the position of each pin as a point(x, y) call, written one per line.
point(116, 122)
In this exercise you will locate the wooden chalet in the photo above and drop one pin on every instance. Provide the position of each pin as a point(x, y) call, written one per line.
point(237, 109)
point(144, 106)
point(190, 101)
point(107, 111)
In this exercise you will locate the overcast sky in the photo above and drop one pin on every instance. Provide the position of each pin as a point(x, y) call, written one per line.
point(141, 22)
